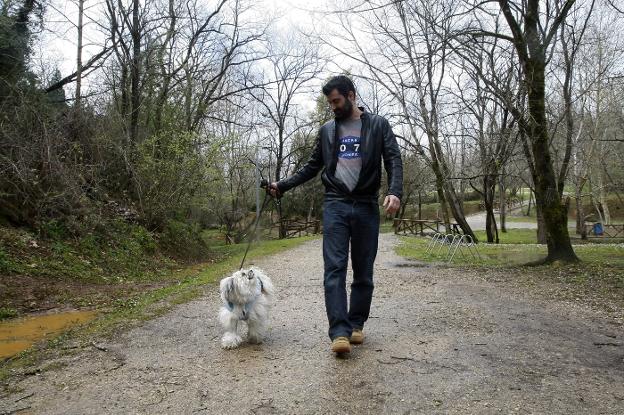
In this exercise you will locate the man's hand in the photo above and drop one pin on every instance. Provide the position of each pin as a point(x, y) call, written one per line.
point(274, 190)
point(391, 204)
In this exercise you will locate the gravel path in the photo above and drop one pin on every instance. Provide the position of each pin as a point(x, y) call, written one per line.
point(477, 221)
point(437, 342)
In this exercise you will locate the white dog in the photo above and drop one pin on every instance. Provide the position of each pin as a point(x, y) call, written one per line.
point(246, 296)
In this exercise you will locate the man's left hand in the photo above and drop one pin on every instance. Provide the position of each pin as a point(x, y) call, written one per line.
point(391, 204)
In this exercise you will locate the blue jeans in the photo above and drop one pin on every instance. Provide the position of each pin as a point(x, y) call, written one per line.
point(357, 222)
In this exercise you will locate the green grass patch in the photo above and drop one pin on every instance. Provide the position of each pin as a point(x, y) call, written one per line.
point(127, 252)
point(7, 312)
point(415, 248)
point(512, 236)
point(509, 254)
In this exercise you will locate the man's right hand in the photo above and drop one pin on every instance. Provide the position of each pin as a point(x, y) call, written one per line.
point(274, 190)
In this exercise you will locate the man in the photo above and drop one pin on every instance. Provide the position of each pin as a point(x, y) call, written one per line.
point(350, 149)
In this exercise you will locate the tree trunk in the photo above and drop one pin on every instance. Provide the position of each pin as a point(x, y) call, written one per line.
point(541, 227)
point(580, 214)
point(419, 205)
point(441, 196)
point(135, 93)
point(489, 183)
point(401, 213)
point(603, 201)
point(503, 200)
point(531, 44)
point(441, 172)
point(546, 192)
point(79, 55)
point(444, 210)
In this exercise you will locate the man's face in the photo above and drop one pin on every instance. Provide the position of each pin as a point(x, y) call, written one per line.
point(341, 106)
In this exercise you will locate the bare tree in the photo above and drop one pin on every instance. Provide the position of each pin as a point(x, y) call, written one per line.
point(490, 123)
point(291, 66)
point(407, 52)
point(532, 31)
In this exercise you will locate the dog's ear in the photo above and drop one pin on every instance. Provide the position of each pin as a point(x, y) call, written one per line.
point(226, 286)
point(267, 285)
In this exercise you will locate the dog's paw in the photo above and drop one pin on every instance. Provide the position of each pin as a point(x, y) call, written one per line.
point(231, 341)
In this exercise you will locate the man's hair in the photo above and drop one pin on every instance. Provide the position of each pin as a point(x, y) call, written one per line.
point(341, 83)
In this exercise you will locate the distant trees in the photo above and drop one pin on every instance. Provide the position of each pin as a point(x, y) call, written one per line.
point(165, 114)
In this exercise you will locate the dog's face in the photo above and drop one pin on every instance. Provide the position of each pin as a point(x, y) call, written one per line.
point(246, 280)
point(239, 289)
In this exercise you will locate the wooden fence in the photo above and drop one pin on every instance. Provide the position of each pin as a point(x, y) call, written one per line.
point(296, 228)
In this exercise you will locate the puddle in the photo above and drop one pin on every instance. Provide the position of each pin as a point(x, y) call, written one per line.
point(19, 334)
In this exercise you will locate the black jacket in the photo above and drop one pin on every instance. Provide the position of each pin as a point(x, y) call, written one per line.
point(377, 141)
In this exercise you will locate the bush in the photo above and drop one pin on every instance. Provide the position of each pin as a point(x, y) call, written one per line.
point(6, 265)
point(183, 240)
point(170, 172)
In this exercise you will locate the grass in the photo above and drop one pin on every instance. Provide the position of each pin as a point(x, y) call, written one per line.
point(512, 236)
point(127, 312)
point(517, 247)
point(491, 255)
point(128, 253)
point(7, 312)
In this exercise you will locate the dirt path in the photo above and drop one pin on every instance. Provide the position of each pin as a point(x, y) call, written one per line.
point(437, 343)
point(477, 221)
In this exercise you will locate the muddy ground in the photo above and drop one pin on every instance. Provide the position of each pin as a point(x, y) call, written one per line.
point(439, 340)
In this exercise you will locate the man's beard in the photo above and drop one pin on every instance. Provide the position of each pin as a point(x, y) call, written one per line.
point(345, 111)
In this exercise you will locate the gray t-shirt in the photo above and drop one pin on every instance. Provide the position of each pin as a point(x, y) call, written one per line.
point(349, 154)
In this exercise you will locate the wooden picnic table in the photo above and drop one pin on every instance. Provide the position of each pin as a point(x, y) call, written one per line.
point(415, 226)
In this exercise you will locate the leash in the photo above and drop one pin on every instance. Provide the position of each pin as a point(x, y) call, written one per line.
point(265, 185)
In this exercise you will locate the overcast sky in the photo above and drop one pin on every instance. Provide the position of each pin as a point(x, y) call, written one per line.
point(57, 43)
point(56, 47)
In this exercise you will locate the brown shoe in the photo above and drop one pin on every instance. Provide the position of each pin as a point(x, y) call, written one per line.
point(341, 345)
point(357, 337)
